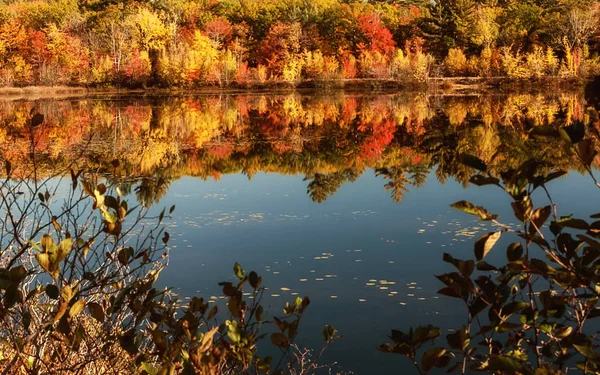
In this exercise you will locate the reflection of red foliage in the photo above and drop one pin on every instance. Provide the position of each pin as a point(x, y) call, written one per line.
point(273, 127)
point(382, 135)
point(281, 147)
point(243, 106)
point(137, 116)
point(220, 151)
point(348, 113)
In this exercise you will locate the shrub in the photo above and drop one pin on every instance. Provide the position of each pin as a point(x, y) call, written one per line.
point(373, 64)
point(526, 315)
point(77, 277)
point(456, 62)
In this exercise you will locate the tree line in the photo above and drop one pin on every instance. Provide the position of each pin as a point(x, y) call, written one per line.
point(192, 43)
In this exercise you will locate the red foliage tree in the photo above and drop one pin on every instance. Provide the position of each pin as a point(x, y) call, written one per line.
point(378, 37)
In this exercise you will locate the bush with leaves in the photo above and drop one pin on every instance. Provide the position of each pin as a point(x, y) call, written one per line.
point(529, 314)
point(77, 273)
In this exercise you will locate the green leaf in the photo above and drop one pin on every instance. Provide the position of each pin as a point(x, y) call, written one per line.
point(259, 313)
point(233, 331)
point(12, 296)
point(471, 209)
point(485, 243)
point(52, 291)
point(77, 308)
point(151, 370)
point(513, 307)
point(563, 331)
point(328, 333)
point(514, 251)
point(539, 217)
point(238, 271)
point(481, 180)
point(44, 262)
point(280, 340)
point(573, 223)
point(17, 274)
point(485, 266)
point(254, 279)
point(108, 216)
point(507, 326)
point(425, 333)
point(212, 313)
point(64, 248)
point(587, 351)
point(502, 364)
point(587, 152)
point(430, 357)
point(459, 340)
point(574, 132)
point(96, 311)
point(47, 243)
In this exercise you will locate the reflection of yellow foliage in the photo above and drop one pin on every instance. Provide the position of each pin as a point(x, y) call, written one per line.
point(292, 108)
point(457, 113)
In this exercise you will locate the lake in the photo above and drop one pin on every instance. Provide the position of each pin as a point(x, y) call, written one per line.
point(343, 197)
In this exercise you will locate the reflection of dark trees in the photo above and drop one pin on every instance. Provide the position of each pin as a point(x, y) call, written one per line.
point(399, 177)
point(150, 190)
point(324, 185)
point(397, 180)
point(419, 174)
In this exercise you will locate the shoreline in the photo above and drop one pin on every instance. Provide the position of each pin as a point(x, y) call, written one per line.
point(437, 85)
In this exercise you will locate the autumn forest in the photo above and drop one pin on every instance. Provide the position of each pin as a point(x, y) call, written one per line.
point(250, 43)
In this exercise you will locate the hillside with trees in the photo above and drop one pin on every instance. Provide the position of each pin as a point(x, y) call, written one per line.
point(242, 43)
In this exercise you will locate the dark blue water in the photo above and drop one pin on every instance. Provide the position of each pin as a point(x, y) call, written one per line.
point(366, 262)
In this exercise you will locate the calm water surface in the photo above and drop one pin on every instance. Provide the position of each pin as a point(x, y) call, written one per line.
point(343, 199)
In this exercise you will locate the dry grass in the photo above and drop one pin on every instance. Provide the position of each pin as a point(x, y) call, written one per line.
point(39, 92)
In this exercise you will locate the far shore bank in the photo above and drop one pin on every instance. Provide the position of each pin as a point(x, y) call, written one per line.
point(434, 86)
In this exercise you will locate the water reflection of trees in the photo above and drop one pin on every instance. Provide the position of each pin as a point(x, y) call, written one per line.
point(331, 139)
